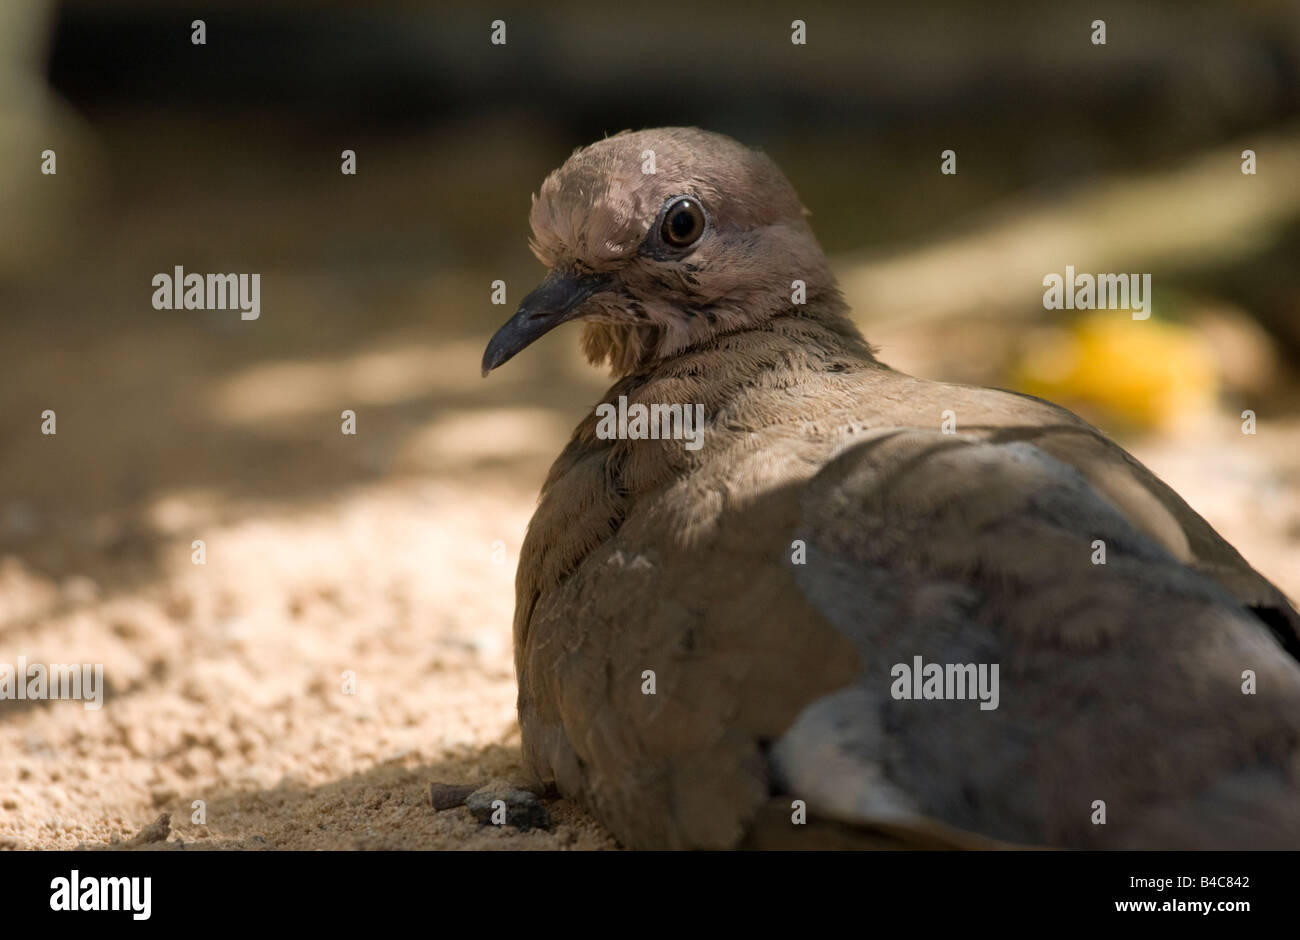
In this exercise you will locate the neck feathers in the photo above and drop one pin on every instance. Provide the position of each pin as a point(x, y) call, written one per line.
point(633, 347)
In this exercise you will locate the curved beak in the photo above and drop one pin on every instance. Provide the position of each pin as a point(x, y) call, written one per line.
point(551, 303)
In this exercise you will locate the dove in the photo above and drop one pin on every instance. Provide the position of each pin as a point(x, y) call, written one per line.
point(790, 635)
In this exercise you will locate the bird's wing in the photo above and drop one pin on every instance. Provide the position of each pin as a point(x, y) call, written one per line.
point(1147, 502)
point(1156, 509)
point(1120, 684)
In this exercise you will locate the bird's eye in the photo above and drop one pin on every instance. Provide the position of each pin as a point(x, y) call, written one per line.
point(683, 223)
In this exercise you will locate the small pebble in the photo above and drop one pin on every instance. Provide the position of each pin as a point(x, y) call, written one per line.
point(523, 810)
point(449, 795)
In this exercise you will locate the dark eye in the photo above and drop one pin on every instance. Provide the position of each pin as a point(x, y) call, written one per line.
point(683, 223)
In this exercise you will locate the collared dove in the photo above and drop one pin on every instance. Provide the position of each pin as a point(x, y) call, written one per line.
point(715, 646)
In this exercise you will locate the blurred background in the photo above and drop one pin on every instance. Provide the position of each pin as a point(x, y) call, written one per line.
point(390, 554)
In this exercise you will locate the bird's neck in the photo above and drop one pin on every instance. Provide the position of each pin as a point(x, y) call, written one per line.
point(640, 349)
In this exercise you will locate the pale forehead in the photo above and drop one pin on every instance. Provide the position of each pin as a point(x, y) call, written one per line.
point(601, 202)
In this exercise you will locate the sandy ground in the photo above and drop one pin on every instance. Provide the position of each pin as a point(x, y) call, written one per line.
point(225, 682)
point(388, 555)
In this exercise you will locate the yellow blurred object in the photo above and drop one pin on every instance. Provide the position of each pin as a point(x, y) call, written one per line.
point(1144, 373)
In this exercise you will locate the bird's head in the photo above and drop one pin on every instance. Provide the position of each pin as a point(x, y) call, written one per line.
point(661, 239)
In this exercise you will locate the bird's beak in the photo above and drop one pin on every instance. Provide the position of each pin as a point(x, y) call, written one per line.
point(551, 303)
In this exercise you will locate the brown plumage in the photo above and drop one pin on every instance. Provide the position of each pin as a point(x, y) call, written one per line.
point(1119, 682)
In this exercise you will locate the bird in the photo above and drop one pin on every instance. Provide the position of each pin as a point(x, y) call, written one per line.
point(713, 644)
